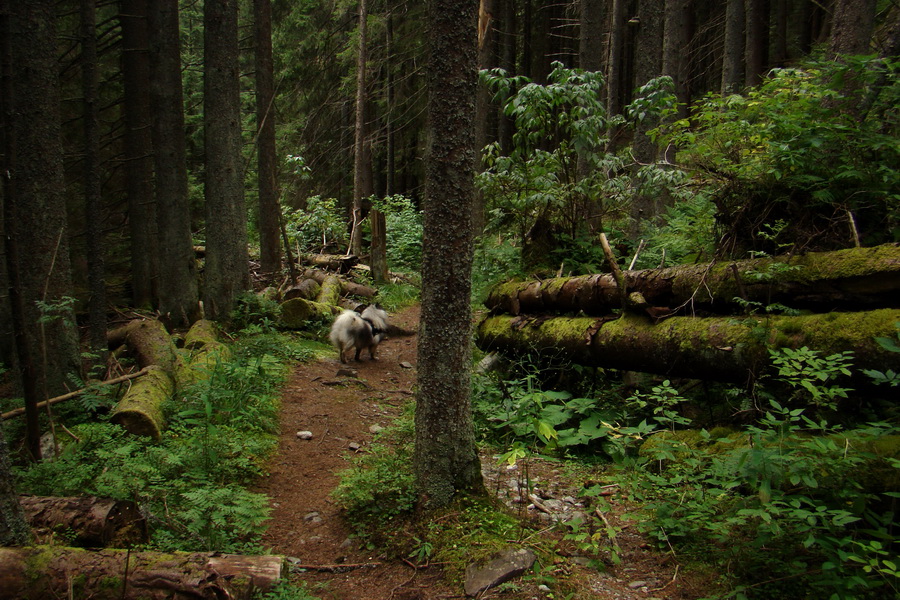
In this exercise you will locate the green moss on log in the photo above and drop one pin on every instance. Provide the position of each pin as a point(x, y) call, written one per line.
point(330, 292)
point(718, 348)
point(297, 312)
point(140, 409)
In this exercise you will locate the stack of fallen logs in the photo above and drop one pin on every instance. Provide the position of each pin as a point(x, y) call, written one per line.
point(706, 321)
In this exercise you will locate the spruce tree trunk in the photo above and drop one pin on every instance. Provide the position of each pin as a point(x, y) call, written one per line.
point(35, 213)
point(733, 55)
point(93, 198)
point(757, 44)
point(138, 150)
point(362, 159)
point(267, 167)
point(445, 458)
point(227, 270)
point(177, 286)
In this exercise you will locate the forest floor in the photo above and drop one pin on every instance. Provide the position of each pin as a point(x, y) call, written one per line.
point(339, 404)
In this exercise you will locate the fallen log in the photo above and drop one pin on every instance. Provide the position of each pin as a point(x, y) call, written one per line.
point(332, 262)
point(140, 409)
point(307, 289)
point(717, 348)
point(16, 412)
point(87, 521)
point(851, 279)
point(347, 287)
point(38, 572)
point(148, 341)
point(330, 291)
point(202, 352)
point(295, 313)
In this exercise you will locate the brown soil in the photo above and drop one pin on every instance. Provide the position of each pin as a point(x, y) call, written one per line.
point(338, 404)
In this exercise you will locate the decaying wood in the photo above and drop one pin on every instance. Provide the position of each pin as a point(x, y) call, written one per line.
point(330, 292)
point(148, 341)
point(297, 312)
point(140, 409)
point(347, 287)
point(202, 351)
point(39, 572)
point(850, 279)
point(332, 262)
point(307, 289)
point(16, 412)
point(87, 521)
point(716, 348)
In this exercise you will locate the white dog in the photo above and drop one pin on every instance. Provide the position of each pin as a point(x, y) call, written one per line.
point(355, 330)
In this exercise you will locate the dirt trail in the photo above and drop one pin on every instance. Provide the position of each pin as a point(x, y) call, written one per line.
point(338, 409)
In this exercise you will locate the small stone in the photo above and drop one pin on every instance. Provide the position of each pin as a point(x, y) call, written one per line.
point(312, 517)
point(304, 435)
point(510, 564)
point(376, 429)
point(637, 584)
point(347, 372)
point(354, 446)
point(544, 588)
point(406, 365)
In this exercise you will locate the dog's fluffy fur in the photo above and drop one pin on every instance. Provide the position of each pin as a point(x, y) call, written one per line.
point(354, 330)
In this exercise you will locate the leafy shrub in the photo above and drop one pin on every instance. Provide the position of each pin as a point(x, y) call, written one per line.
point(319, 227)
point(403, 229)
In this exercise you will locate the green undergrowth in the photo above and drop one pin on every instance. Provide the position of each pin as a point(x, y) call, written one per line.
point(194, 484)
point(793, 496)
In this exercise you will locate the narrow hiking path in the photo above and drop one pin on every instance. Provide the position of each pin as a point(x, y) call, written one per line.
point(339, 404)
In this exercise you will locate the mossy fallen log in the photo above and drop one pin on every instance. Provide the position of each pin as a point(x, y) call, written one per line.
point(297, 312)
point(140, 409)
point(347, 287)
point(201, 353)
point(39, 572)
point(148, 341)
point(333, 262)
point(717, 348)
point(87, 521)
point(307, 289)
point(850, 279)
point(330, 291)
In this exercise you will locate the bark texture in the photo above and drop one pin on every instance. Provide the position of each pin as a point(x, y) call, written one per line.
point(177, 284)
point(851, 279)
point(87, 521)
point(716, 348)
point(267, 168)
point(39, 572)
point(445, 458)
point(140, 409)
point(226, 273)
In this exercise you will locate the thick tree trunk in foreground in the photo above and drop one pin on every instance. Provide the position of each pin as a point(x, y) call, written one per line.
point(87, 521)
point(851, 279)
point(445, 458)
point(718, 348)
point(34, 573)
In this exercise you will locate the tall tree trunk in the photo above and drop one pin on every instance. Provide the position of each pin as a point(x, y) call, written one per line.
point(14, 530)
point(483, 107)
point(757, 44)
point(8, 353)
point(267, 162)
point(445, 457)
point(615, 65)
point(590, 42)
point(675, 58)
point(733, 53)
point(852, 26)
point(93, 197)
point(362, 159)
point(35, 213)
point(648, 65)
point(138, 163)
point(227, 271)
point(177, 287)
point(508, 44)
